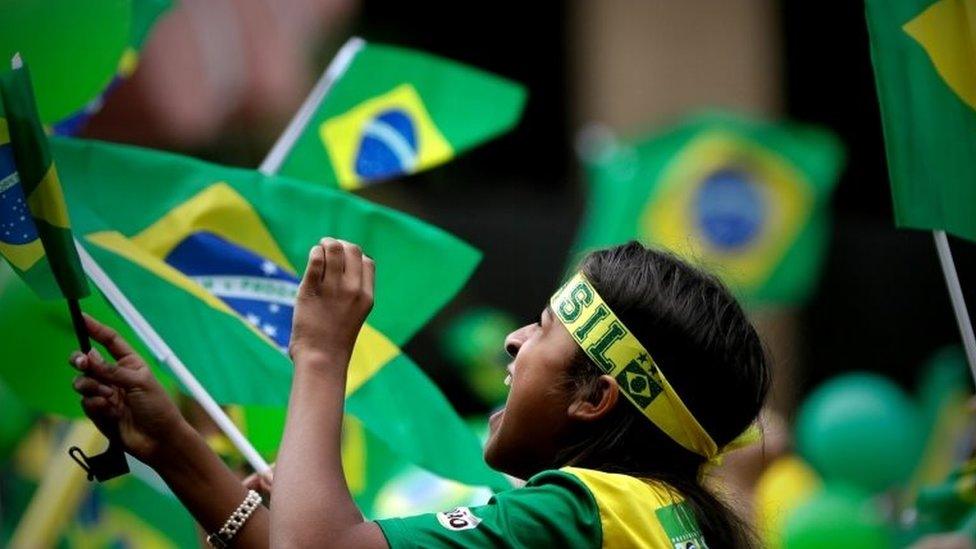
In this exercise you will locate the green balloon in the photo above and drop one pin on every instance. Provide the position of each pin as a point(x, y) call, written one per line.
point(836, 517)
point(72, 47)
point(860, 429)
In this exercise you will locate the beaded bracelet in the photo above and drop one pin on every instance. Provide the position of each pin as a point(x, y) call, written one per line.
point(235, 522)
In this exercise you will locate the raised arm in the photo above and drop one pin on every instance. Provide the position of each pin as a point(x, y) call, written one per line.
point(154, 432)
point(312, 503)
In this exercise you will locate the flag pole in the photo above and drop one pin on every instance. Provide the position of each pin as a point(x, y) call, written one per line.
point(276, 156)
point(958, 301)
point(164, 354)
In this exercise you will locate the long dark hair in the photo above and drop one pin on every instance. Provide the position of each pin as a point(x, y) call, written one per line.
point(710, 353)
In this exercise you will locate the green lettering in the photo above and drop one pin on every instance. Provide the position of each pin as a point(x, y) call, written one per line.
point(571, 307)
point(599, 314)
point(598, 350)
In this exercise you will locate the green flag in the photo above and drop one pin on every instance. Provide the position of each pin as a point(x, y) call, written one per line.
point(743, 198)
point(35, 232)
point(143, 17)
point(925, 67)
point(77, 47)
point(395, 111)
point(211, 256)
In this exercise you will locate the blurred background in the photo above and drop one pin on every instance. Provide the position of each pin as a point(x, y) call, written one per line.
point(217, 81)
point(220, 79)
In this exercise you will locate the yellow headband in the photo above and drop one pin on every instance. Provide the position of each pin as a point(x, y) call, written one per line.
point(605, 339)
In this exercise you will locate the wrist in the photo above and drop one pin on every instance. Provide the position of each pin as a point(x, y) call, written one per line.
point(173, 446)
point(321, 360)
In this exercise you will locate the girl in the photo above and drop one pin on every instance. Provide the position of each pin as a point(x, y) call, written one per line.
point(635, 376)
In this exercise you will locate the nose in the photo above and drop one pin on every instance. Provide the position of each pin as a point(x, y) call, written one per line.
point(515, 340)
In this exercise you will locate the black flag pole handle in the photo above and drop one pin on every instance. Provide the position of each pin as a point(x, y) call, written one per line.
point(111, 463)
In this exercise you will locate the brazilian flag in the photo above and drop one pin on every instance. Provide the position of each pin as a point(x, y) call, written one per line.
point(925, 67)
point(35, 233)
point(212, 257)
point(745, 199)
point(394, 111)
point(80, 50)
point(144, 15)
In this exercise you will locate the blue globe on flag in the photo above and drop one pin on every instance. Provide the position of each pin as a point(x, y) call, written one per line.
point(260, 291)
point(16, 225)
point(388, 147)
point(729, 210)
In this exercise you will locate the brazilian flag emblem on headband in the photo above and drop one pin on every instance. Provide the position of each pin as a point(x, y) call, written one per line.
point(745, 199)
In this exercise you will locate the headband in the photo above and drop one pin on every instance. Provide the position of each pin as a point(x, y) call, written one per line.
point(618, 353)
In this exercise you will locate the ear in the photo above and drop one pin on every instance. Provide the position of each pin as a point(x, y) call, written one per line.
point(598, 403)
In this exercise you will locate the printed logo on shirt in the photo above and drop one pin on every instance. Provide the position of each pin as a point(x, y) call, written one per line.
point(679, 524)
point(458, 519)
point(697, 543)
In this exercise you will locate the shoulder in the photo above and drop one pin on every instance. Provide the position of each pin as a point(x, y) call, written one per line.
point(553, 508)
point(639, 513)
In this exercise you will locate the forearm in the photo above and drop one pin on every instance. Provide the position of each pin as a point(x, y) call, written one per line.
point(209, 489)
point(312, 502)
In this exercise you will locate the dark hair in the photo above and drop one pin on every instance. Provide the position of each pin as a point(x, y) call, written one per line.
point(710, 353)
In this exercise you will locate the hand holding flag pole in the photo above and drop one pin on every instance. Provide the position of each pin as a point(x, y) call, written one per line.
point(37, 240)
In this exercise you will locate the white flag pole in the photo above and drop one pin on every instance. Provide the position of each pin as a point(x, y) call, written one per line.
point(958, 301)
point(276, 156)
point(165, 355)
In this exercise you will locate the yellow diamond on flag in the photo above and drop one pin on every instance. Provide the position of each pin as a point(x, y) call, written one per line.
point(947, 32)
point(731, 204)
point(216, 248)
point(386, 136)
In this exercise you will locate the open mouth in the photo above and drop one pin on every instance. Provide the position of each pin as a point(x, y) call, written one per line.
point(495, 418)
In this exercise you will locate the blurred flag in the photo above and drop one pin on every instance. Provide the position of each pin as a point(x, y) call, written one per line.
point(395, 111)
point(745, 199)
point(80, 50)
point(35, 233)
point(144, 16)
point(129, 512)
point(925, 67)
point(210, 256)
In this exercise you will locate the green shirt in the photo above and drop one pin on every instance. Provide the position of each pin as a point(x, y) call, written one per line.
point(566, 508)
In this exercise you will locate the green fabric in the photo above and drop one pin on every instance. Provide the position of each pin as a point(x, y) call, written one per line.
point(554, 509)
point(32, 159)
point(399, 404)
point(743, 198)
point(418, 437)
point(467, 106)
point(38, 338)
point(923, 63)
point(145, 13)
point(73, 45)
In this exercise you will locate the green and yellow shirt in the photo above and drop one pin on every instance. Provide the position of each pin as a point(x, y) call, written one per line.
point(566, 508)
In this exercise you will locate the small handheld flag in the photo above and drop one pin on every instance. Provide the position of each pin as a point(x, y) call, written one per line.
point(392, 111)
point(35, 232)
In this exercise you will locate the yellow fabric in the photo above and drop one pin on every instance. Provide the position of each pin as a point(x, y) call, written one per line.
point(222, 211)
point(23, 256)
point(619, 354)
point(947, 32)
point(47, 200)
point(629, 510)
point(671, 222)
point(342, 134)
